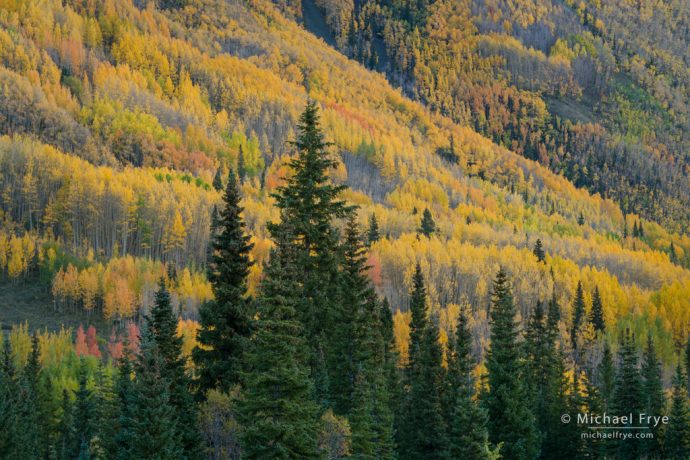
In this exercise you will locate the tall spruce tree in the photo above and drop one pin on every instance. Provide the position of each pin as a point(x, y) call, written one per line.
point(596, 316)
point(423, 430)
point(373, 234)
point(162, 324)
point(225, 320)
point(606, 377)
point(653, 397)
point(84, 413)
point(468, 435)
point(627, 393)
point(241, 167)
point(677, 435)
point(427, 227)
point(542, 378)
point(367, 401)
point(154, 425)
point(539, 251)
point(507, 402)
point(687, 365)
point(309, 203)
point(277, 412)
point(578, 314)
point(124, 389)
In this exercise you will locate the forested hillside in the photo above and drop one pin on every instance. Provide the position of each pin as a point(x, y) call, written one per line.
point(507, 195)
point(592, 90)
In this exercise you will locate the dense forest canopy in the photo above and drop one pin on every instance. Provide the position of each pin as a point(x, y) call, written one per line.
point(383, 211)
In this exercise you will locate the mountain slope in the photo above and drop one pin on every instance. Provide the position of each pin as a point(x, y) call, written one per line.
point(156, 101)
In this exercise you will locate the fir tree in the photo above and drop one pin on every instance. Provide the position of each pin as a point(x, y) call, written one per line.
point(66, 430)
point(687, 364)
point(507, 403)
point(241, 168)
point(84, 413)
point(124, 389)
point(423, 431)
point(606, 378)
point(653, 397)
point(153, 427)
point(163, 327)
point(578, 314)
point(218, 180)
point(596, 316)
point(627, 393)
point(353, 319)
point(225, 320)
point(373, 234)
point(677, 435)
point(539, 251)
point(309, 204)
point(673, 257)
point(468, 436)
point(581, 220)
point(427, 226)
point(368, 401)
point(279, 417)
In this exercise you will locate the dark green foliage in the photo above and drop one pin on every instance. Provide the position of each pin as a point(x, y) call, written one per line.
point(84, 413)
point(627, 393)
point(468, 436)
point(578, 314)
point(542, 377)
point(153, 423)
point(225, 320)
point(687, 364)
point(653, 397)
point(539, 251)
point(218, 179)
point(162, 325)
point(606, 380)
point(279, 417)
point(596, 316)
point(677, 435)
point(308, 204)
point(353, 319)
point(241, 168)
point(363, 356)
point(427, 227)
point(124, 390)
point(66, 431)
point(373, 234)
point(507, 402)
point(423, 430)
point(18, 438)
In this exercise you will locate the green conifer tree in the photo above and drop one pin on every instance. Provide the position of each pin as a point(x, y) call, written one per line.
point(154, 426)
point(225, 320)
point(578, 314)
point(539, 251)
point(511, 421)
point(278, 415)
point(677, 435)
point(468, 435)
point(596, 316)
point(218, 180)
point(162, 325)
point(423, 430)
point(427, 226)
point(373, 234)
point(627, 393)
point(653, 398)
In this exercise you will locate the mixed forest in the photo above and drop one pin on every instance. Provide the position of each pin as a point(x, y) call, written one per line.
point(336, 229)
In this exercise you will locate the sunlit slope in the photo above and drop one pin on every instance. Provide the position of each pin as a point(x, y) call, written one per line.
point(155, 101)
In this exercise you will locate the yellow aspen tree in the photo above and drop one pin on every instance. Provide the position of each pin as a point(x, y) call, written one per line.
point(174, 239)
